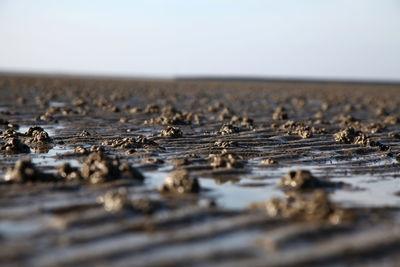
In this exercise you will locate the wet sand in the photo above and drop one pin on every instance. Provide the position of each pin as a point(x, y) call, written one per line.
point(198, 172)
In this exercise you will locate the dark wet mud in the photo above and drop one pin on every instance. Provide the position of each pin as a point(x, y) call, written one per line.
point(178, 173)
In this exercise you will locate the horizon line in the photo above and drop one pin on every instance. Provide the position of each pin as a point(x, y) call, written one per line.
point(202, 78)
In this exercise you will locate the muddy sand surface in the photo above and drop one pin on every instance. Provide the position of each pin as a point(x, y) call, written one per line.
point(178, 173)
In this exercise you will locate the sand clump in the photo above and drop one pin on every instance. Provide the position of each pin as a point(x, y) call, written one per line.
point(226, 160)
point(99, 168)
point(152, 108)
point(351, 136)
point(172, 132)
point(392, 120)
point(269, 161)
point(242, 121)
point(179, 182)
point(171, 116)
point(39, 139)
point(316, 208)
point(280, 113)
point(130, 144)
point(84, 133)
point(66, 171)
point(228, 129)
point(304, 180)
point(114, 201)
point(10, 133)
point(38, 136)
point(225, 113)
point(296, 128)
point(24, 171)
point(225, 144)
point(14, 145)
point(348, 136)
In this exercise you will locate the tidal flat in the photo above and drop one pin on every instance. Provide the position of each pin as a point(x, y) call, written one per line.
point(136, 172)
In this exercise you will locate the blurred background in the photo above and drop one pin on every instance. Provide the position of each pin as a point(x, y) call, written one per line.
point(338, 39)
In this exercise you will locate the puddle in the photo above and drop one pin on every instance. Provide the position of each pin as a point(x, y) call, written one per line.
point(146, 132)
point(227, 194)
point(57, 104)
point(372, 161)
point(233, 196)
point(155, 179)
point(262, 184)
point(377, 191)
point(50, 158)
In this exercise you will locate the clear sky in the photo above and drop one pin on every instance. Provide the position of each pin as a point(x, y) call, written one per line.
point(345, 39)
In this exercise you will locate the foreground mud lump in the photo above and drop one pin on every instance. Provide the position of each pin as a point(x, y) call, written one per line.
point(66, 171)
point(316, 208)
point(14, 145)
point(303, 180)
point(114, 201)
point(100, 168)
point(24, 171)
point(179, 182)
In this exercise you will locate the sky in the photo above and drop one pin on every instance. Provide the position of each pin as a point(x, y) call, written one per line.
point(337, 39)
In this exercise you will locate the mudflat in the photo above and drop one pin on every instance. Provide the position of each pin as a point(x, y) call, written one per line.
point(128, 172)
